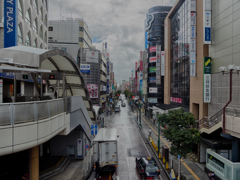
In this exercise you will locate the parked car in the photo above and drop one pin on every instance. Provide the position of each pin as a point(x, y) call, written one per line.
point(147, 167)
point(123, 104)
point(117, 108)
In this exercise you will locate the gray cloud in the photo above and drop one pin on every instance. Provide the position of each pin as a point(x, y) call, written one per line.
point(120, 23)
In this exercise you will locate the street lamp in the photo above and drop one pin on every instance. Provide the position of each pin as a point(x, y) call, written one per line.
point(223, 69)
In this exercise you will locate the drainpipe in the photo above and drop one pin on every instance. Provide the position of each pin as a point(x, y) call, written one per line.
point(224, 108)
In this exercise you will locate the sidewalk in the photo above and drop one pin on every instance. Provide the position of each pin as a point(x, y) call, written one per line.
point(191, 170)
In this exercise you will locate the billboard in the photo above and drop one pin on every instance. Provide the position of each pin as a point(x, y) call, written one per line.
point(152, 49)
point(152, 79)
point(152, 59)
point(207, 80)
point(158, 65)
point(104, 88)
point(10, 23)
point(152, 100)
point(152, 69)
point(152, 90)
point(92, 56)
point(92, 90)
point(85, 68)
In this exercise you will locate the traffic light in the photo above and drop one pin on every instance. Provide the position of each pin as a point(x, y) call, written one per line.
point(133, 97)
point(118, 94)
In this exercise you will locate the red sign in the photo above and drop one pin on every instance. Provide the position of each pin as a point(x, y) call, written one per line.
point(152, 49)
point(141, 65)
point(152, 59)
point(135, 65)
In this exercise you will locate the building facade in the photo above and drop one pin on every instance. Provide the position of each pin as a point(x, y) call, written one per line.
point(30, 22)
point(201, 41)
point(69, 35)
point(154, 26)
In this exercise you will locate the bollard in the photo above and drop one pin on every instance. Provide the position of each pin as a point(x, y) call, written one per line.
point(159, 156)
point(167, 165)
point(163, 159)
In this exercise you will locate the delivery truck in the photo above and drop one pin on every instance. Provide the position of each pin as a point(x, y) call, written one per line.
point(105, 149)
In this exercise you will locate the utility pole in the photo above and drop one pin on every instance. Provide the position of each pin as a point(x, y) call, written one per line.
point(158, 136)
point(140, 114)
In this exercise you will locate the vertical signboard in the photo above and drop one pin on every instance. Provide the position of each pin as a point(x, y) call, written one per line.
point(207, 16)
point(10, 23)
point(1, 90)
point(207, 80)
point(141, 83)
point(108, 78)
point(79, 147)
point(163, 63)
point(158, 65)
point(141, 61)
point(93, 91)
point(193, 39)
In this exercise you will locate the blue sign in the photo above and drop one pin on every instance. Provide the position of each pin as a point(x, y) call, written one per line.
point(207, 34)
point(87, 146)
point(95, 131)
point(11, 76)
point(146, 41)
point(92, 126)
point(85, 68)
point(152, 79)
point(110, 100)
point(10, 23)
point(92, 132)
point(95, 126)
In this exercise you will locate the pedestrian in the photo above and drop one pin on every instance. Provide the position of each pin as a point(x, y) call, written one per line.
point(149, 131)
point(154, 120)
point(211, 176)
point(97, 170)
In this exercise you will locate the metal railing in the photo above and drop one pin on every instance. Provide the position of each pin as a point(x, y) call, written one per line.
point(15, 113)
point(208, 122)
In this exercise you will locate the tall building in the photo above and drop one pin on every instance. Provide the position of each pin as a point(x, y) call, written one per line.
point(93, 65)
point(202, 40)
point(25, 25)
point(69, 35)
point(154, 27)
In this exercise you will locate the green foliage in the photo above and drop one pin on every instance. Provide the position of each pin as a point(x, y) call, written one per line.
point(119, 92)
point(180, 131)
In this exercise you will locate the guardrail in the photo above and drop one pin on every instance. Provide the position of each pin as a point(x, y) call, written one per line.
point(15, 113)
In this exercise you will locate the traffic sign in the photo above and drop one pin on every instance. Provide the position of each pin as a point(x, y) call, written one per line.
point(86, 146)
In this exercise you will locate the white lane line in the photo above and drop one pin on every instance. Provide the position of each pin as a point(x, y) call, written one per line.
point(145, 146)
point(127, 158)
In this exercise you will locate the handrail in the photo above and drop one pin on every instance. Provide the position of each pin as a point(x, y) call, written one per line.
point(22, 112)
point(207, 122)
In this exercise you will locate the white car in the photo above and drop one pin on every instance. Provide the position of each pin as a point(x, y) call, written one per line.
point(117, 109)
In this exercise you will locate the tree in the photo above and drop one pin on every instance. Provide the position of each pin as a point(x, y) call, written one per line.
point(181, 131)
point(119, 92)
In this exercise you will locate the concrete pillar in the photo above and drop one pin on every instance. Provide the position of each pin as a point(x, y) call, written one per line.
point(34, 163)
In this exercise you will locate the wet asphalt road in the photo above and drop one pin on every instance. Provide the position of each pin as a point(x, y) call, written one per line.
point(130, 145)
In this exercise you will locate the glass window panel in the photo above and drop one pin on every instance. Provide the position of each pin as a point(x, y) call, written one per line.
point(35, 5)
point(20, 39)
point(20, 12)
point(27, 40)
point(35, 25)
point(27, 17)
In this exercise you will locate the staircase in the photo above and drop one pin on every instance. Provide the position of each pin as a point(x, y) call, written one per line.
point(59, 168)
point(211, 124)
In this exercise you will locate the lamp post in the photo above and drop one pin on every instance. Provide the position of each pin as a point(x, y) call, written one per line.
point(158, 134)
point(140, 114)
point(231, 68)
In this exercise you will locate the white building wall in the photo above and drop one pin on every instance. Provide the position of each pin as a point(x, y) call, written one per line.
point(26, 5)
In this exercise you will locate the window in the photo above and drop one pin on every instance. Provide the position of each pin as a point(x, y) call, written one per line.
point(45, 3)
point(35, 5)
point(80, 28)
point(40, 13)
point(54, 47)
point(41, 33)
point(50, 28)
point(63, 48)
point(20, 8)
point(27, 40)
point(41, 46)
point(20, 39)
point(35, 25)
point(29, 1)
point(35, 43)
point(27, 17)
point(80, 39)
point(45, 20)
point(45, 37)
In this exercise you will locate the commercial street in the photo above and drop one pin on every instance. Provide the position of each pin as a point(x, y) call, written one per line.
point(130, 145)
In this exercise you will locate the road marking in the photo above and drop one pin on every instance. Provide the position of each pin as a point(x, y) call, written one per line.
point(196, 177)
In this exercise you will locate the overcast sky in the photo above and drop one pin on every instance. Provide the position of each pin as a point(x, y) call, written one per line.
point(120, 23)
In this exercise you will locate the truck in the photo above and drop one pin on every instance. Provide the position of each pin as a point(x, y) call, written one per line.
point(105, 149)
